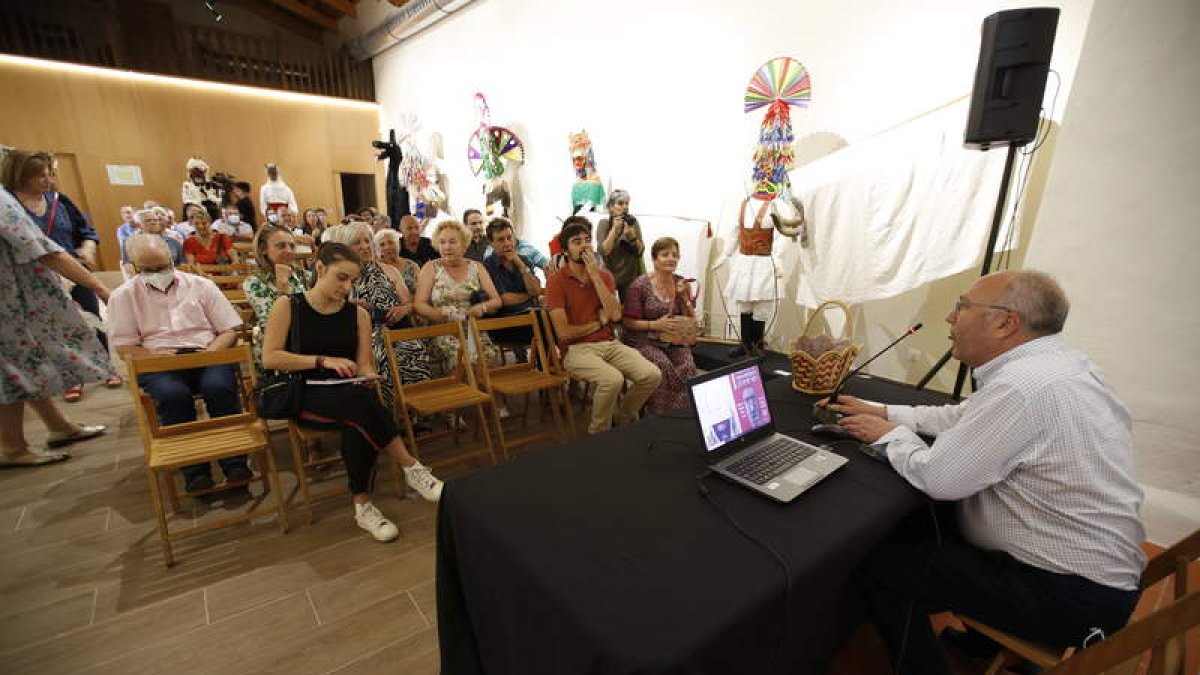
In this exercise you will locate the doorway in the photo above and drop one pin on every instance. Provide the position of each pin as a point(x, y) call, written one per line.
point(358, 191)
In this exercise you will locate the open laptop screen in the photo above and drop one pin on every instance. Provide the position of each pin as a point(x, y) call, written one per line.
point(731, 406)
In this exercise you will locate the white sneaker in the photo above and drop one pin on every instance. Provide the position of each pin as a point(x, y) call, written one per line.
point(420, 478)
point(371, 519)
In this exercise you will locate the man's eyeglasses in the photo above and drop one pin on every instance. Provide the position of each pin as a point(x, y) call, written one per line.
point(964, 304)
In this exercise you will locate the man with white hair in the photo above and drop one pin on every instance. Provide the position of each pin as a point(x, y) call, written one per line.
point(1038, 463)
point(163, 311)
point(150, 222)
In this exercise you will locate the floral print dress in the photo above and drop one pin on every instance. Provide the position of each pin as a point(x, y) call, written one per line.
point(45, 345)
point(261, 293)
point(374, 286)
point(675, 361)
point(450, 293)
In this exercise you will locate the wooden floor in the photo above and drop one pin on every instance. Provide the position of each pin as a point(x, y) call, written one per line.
point(83, 588)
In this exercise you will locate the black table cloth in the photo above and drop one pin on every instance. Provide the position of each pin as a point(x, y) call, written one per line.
point(603, 556)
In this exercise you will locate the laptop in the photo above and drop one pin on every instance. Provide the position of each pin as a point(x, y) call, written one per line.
point(740, 440)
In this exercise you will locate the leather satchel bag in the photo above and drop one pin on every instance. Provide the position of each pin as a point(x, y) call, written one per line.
point(280, 395)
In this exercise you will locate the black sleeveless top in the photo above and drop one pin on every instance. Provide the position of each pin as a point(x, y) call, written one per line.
point(324, 334)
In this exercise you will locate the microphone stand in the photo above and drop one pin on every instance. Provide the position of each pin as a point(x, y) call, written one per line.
point(997, 218)
point(827, 420)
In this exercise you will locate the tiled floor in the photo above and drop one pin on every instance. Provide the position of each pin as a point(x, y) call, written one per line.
point(83, 588)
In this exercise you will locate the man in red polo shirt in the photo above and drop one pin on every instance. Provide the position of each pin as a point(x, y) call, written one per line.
point(582, 300)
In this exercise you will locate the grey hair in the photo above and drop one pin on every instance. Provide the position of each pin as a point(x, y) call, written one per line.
point(387, 234)
point(141, 214)
point(1038, 299)
point(349, 233)
point(616, 196)
point(382, 218)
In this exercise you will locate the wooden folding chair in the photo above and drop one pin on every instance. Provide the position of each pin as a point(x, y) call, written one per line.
point(1121, 653)
point(557, 367)
point(168, 448)
point(454, 391)
point(522, 379)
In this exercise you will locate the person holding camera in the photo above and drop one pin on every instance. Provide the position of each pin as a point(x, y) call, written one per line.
point(621, 242)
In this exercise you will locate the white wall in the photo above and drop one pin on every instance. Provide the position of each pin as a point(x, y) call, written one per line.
point(1118, 228)
point(659, 86)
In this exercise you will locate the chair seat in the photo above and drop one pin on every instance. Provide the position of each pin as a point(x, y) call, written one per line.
point(172, 451)
point(524, 381)
point(1041, 655)
point(440, 396)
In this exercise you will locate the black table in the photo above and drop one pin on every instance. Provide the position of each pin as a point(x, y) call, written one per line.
point(603, 556)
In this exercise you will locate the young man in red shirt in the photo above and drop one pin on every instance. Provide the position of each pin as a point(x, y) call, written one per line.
point(582, 300)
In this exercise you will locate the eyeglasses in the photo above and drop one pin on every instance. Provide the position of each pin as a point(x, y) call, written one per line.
point(963, 304)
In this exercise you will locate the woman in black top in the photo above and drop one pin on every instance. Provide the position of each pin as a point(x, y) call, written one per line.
point(333, 342)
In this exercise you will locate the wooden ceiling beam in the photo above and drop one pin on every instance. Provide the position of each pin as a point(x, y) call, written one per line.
point(307, 13)
point(282, 18)
point(342, 7)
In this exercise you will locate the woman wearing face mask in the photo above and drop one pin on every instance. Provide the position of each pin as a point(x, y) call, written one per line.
point(334, 341)
point(381, 291)
point(274, 275)
point(621, 242)
point(658, 307)
point(207, 246)
point(45, 346)
point(454, 287)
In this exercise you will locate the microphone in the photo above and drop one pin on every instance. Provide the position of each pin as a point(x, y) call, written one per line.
point(827, 420)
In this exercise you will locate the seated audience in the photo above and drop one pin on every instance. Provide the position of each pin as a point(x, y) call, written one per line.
point(335, 342)
point(164, 311)
point(128, 226)
point(529, 253)
point(381, 291)
point(413, 246)
point(309, 231)
point(1039, 464)
point(519, 288)
point(658, 308)
point(473, 219)
point(387, 242)
point(583, 306)
point(381, 222)
point(231, 225)
point(621, 242)
point(152, 223)
point(452, 288)
point(275, 274)
point(207, 246)
point(182, 230)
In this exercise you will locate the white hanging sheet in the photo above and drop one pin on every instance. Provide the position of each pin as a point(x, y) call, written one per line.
point(895, 211)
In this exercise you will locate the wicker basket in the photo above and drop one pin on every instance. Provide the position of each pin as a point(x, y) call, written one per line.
point(821, 374)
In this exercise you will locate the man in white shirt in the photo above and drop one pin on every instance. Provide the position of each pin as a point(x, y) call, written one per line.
point(1039, 465)
point(232, 226)
point(275, 193)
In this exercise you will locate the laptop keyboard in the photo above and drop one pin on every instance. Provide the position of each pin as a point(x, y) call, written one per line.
point(770, 460)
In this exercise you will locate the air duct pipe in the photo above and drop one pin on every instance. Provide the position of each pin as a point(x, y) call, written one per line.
point(414, 17)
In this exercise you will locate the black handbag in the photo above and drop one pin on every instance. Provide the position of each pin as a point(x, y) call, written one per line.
point(280, 395)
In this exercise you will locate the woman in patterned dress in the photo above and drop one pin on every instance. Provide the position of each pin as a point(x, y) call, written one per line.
point(657, 305)
point(454, 287)
point(45, 345)
point(275, 274)
point(381, 291)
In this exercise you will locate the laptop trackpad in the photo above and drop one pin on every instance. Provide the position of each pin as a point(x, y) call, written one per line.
point(800, 476)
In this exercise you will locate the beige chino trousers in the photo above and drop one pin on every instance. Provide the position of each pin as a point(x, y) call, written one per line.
point(608, 364)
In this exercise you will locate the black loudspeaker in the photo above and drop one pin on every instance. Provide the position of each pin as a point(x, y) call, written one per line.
point(1010, 79)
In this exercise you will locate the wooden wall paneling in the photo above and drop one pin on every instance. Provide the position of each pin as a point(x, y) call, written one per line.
point(102, 120)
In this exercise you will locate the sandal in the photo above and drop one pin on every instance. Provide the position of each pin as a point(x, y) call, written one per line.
point(84, 432)
point(114, 382)
point(74, 394)
point(33, 455)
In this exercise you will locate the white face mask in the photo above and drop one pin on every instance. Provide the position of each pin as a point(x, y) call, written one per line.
point(161, 280)
point(273, 218)
point(233, 220)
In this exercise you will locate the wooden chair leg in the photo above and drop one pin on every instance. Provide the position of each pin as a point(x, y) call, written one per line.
point(566, 404)
point(172, 493)
point(298, 460)
point(483, 425)
point(161, 516)
point(558, 420)
point(272, 480)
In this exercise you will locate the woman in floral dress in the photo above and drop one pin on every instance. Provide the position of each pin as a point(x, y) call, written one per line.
point(381, 291)
point(658, 307)
point(275, 274)
point(45, 345)
point(454, 287)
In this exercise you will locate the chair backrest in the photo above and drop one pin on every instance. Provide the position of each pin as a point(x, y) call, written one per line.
point(149, 424)
point(538, 359)
point(1161, 632)
point(553, 353)
point(462, 370)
